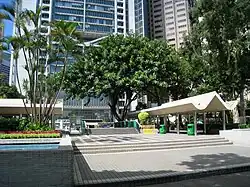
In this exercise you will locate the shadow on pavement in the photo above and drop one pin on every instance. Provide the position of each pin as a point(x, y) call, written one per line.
point(214, 160)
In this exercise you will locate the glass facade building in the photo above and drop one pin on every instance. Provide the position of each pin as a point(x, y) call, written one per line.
point(96, 18)
point(138, 17)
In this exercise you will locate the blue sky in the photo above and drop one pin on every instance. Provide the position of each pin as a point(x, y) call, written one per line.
point(8, 25)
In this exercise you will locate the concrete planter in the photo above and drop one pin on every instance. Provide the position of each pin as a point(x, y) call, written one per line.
point(237, 136)
point(51, 167)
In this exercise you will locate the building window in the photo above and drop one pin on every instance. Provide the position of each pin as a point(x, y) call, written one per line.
point(170, 17)
point(159, 31)
point(45, 22)
point(44, 15)
point(120, 4)
point(171, 39)
point(182, 26)
point(156, 6)
point(168, 2)
point(157, 10)
point(182, 20)
point(181, 10)
point(46, 8)
point(157, 26)
point(120, 23)
point(183, 32)
point(169, 7)
point(171, 34)
point(46, 1)
point(120, 30)
point(102, 2)
point(170, 23)
point(119, 17)
point(180, 4)
point(181, 15)
point(167, 13)
point(120, 10)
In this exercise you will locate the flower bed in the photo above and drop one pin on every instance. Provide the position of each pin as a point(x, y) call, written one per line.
point(30, 132)
point(23, 136)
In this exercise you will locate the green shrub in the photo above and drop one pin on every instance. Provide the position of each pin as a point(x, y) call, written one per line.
point(143, 117)
point(10, 124)
point(244, 126)
point(36, 126)
point(14, 124)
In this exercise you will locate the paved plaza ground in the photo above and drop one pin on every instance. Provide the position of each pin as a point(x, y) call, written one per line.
point(133, 138)
point(230, 180)
point(97, 168)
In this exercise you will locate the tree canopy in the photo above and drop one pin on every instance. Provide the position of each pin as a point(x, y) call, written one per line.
point(218, 47)
point(123, 67)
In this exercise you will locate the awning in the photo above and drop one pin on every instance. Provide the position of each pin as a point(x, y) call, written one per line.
point(16, 107)
point(209, 102)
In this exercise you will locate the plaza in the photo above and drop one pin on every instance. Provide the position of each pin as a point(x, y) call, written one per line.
point(143, 167)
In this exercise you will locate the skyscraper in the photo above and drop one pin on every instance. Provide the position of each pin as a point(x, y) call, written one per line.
point(138, 17)
point(169, 20)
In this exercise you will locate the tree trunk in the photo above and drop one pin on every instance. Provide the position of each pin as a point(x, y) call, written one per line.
point(114, 112)
point(242, 108)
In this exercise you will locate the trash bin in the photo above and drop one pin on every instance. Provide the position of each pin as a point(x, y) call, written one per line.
point(190, 129)
point(163, 129)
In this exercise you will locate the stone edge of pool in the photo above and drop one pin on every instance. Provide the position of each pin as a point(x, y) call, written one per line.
point(48, 167)
point(64, 142)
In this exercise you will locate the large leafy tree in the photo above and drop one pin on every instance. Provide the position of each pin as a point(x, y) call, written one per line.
point(114, 69)
point(170, 71)
point(124, 67)
point(218, 47)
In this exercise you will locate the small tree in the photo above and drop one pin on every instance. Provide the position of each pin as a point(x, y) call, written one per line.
point(143, 117)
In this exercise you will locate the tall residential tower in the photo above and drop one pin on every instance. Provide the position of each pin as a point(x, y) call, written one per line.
point(169, 20)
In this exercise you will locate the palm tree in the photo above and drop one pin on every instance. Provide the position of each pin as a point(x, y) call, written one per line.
point(9, 11)
point(58, 47)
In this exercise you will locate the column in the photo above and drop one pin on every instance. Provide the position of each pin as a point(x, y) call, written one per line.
point(178, 124)
point(224, 119)
point(52, 121)
point(165, 120)
point(205, 123)
point(195, 123)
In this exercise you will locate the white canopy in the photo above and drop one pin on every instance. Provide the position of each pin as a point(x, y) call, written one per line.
point(209, 102)
point(16, 107)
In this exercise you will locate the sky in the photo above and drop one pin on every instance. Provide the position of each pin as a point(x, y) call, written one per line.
point(8, 25)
